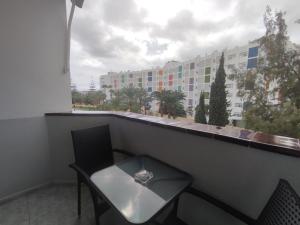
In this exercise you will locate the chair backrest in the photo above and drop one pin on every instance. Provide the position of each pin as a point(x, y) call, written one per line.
point(282, 208)
point(92, 148)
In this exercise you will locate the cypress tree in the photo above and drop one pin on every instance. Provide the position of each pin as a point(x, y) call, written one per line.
point(200, 110)
point(218, 114)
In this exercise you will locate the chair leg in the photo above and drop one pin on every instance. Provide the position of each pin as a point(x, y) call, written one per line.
point(97, 220)
point(175, 207)
point(96, 209)
point(78, 196)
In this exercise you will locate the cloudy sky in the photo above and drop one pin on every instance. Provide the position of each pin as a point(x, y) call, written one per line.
point(115, 35)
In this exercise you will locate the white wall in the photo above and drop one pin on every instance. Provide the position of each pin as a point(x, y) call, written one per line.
point(24, 155)
point(32, 40)
point(32, 44)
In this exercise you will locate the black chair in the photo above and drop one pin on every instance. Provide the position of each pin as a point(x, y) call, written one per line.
point(100, 206)
point(93, 152)
point(283, 208)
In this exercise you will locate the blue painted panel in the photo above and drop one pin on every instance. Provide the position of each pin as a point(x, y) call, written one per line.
point(253, 52)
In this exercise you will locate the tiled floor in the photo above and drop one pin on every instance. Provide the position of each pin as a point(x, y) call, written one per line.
point(53, 205)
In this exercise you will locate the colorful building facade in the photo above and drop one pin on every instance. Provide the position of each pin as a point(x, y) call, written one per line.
point(191, 77)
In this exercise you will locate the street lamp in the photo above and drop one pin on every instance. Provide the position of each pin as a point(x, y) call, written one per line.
point(79, 4)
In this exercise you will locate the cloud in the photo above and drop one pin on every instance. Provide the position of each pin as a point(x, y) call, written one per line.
point(184, 25)
point(124, 13)
point(98, 40)
point(114, 35)
point(154, 48)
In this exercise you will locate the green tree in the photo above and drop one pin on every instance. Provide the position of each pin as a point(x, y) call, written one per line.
point(170, 103)
point(133, 99)
point(276, 76)
point(218, 114)
point(200, 116)
point(77, 97)
point(128, 99)
point(94, 98)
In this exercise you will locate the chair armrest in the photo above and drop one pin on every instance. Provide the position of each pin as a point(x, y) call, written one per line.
point(124, 152)
point(80, 171)
point(227, 208)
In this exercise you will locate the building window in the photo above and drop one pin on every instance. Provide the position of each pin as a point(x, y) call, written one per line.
point(140, 85)
point(230, 66)
point(192, 66)
point(253, 52)
point(191, 87)
point(123, 78)
point(206, 95)
point(160, 72)
point(149, 89)
point(232, 76)
point(179, 75)
point(170, 82)
point(237, 114)
point(207, 70)
point(180, 68)
point(131, 85)
point(243, 54)
point(242, 65)
point(130, 75)
point(140, 80)
point(192, 80)
point(190, 102)
point(150, 76)
point(179, 88)
point(231, 56)
point(171, 77)
point(207, 79)
point(252, 63)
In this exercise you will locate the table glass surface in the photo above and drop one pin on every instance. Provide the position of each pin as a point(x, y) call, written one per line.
point(137, 202)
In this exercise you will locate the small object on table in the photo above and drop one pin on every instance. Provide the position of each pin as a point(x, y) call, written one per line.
point(143, 176)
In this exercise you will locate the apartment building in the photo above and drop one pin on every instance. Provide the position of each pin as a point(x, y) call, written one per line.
point(191, 77)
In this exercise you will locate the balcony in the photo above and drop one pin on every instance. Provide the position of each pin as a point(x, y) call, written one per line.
point(238, 167)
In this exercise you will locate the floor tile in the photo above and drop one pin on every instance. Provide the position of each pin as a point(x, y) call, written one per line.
point(14, 212)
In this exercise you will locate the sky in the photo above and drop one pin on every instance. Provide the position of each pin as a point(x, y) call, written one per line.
point(121, 35)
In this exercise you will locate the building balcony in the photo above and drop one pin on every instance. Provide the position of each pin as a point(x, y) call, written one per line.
point(239, 167)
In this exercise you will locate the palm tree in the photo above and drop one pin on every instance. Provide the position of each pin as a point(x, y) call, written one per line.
point(170, 103)
point(133, 99)
point(128, 96)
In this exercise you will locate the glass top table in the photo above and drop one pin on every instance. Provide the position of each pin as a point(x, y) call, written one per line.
point(140, 187)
